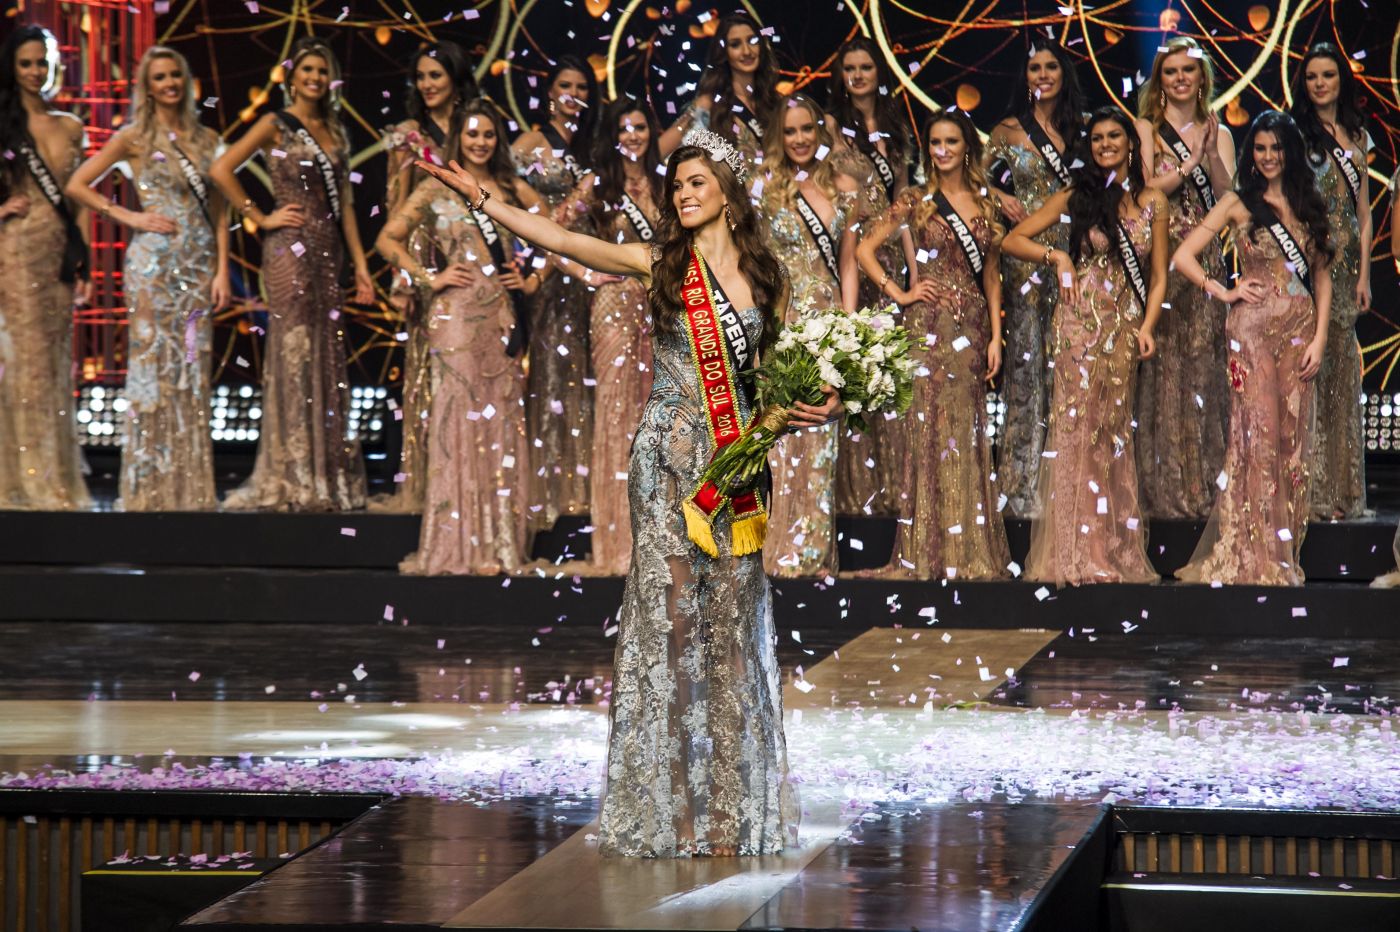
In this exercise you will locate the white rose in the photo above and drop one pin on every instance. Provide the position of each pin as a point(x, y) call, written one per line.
point(829, 374)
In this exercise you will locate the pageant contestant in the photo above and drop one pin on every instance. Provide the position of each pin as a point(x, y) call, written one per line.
point(807, 206)
point(477, 458)
point(559, 404)
point(1182, 411)
point(621, 200)
point(1111, 282)
point(950, 525)
point(42, 255)
point(1328, 111)
point(440, 81)
point(697, 759)
point(738, 90)
point(1277, 334)
point(305, 462)
point(1030, 162)
point(872, 139)
point(175, 277)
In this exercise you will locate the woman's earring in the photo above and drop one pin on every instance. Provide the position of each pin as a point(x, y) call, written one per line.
point(1163, 98)
point(729, 217)
point(1200, 94)
point(553, 106)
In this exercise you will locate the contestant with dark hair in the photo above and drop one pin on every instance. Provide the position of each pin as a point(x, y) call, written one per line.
point(440, 82)
point(807, 205)
point(620, 200)
point(1028, 152)
point(697, 759)
point(1111, 281)
point(951, 526)
point(738, 89)
point(1327, 108)
point(1277, 333)
point(478, 462)
point(559, 404)
point(175, 277)
point(1182, 407)
point(305, 461)
point(873, 140)
point(42, 257)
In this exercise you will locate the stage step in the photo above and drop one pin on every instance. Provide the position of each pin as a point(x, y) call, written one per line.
point(1339, 551)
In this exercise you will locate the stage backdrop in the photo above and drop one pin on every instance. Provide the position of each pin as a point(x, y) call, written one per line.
point(963, 54)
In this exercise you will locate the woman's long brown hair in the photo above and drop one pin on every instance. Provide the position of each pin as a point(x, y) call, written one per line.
point(757, 263)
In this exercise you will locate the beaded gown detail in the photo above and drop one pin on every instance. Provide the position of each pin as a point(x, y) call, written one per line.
point(1182, 407)
point(1339, 451)
point(305, 461)
point(619, 339)
point(167, 455)
point(1089, 528)
point(1029, 298)
point(950, 525)
point(407, 142)
point(1255, 532)
point(802, 517)
point(559, 399)
point(696, 753)
point(477, 458)
point(41, 464)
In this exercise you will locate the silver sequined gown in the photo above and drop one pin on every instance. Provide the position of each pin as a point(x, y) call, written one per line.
point(167, 455)
point(696, 755)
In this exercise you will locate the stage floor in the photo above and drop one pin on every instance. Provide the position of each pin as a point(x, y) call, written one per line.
point(925, 732)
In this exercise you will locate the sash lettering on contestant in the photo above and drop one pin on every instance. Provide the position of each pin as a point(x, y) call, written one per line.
point(962, 234)
point(883, 169)
point(1128, 258)
point(1287, 245)
point(819, 234)
point(1199, 179)
point(1342, 159)
point(754, 124)
point(639, 221)
point(324, 165)
point(718, 350)
point(194, 179)
point(1041, 140)
point(520, 332)
point(75, 251)
point(561, 150)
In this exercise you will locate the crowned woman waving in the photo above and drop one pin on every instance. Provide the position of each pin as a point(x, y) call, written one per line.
point(697, 760)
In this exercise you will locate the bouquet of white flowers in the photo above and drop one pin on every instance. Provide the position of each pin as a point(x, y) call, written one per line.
point(864, 356)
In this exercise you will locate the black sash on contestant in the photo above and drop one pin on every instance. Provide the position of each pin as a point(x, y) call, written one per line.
point(520, 332)
point(1041, 141)
point(1347, 168)
point(1286, 243)
point(1000, 173)
point(195, 180)
point(819, 234)
point(963, 234)
point(1128, 259)
point(323, 162)
point(561, 150)
point(884, 170)
point(75, 252)
point(638, 219)
point(754, 124)
point(435, 133)
point(1199, 179)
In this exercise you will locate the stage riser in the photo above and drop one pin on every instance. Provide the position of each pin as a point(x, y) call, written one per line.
point(53, 594)
point(1354, 550)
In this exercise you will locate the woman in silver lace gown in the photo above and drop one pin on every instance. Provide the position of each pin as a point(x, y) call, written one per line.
point(697, 759)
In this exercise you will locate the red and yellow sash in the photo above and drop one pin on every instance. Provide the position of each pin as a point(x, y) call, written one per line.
point(707, 332)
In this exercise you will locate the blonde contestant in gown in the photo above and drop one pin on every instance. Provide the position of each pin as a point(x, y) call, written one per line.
point(41, 465)
point(175, 276)
point(619, 200)
point(477, 465)
point(697, 759)
point(1182, 407)
point(1331, 119)
point(441, 82)
point(305, 460)
point(1047, 110)
point(1089, 525)
point(822, 270)
point(1277, 333)
point(951, 526)
point(559, 405)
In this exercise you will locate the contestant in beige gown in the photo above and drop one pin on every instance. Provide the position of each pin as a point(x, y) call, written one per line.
point(1088, 527)
point(950, 523)
point(41, 465)
point(802, 524)
point(1277, 335)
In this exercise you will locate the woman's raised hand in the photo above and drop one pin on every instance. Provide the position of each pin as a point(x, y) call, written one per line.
point(455, 177)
